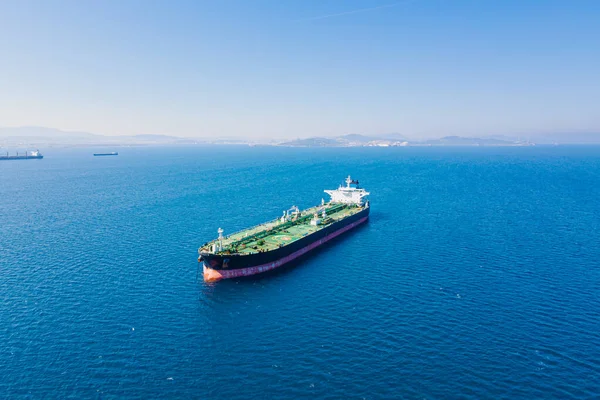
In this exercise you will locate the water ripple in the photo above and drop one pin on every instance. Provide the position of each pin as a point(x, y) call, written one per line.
point(475, 277)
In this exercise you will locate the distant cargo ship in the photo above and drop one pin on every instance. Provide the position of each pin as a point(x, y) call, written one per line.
point(29, 155)
point(114, 153)
point(275, 243)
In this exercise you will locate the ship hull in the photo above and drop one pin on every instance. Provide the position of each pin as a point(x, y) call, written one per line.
point(21, 158)
point(217, 267)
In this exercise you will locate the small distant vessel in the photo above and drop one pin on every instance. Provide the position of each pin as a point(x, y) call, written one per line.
point(114, 153)
point(275, 243)
point(29, 155)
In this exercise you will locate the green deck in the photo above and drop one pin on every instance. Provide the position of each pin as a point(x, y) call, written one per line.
point(274, 234)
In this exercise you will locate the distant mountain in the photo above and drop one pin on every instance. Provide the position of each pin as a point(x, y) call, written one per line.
point(153, 138)
point(41, 132)
point(313, 142)
point(352, 140)
point(354, 137)
point(39, 136)
point(392, 136)
point(349, 140)
point(467, 141)
point(567, 138)
point(31, 137)
point(33, 133)
point(357, 138)
point(505, 138)
point(228, 141)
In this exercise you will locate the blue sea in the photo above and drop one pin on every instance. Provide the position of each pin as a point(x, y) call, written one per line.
point(477, 276)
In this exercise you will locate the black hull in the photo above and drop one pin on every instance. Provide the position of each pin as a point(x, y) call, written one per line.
point(21, 158)
point(243, 265)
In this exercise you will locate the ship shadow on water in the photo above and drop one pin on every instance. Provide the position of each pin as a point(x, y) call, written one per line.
point(376, 216)
point(290, 266)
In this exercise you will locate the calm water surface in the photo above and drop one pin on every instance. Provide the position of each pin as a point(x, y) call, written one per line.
point(477, 276)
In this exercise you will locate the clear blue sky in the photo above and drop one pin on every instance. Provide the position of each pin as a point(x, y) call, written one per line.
point(282, 68)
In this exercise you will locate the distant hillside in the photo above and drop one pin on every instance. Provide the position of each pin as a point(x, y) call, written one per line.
point(394, 139)
point(466, 141)
point(354, 137)
point(39, 131)
point(567, 138)
point(357, 138)
point(40, 136)
point(349, 140)
point(312, 142)
point(31, 134)
point(152, 138)
point(393, 136)
point(32, 137)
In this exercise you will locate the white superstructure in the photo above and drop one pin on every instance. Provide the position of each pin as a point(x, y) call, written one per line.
point(348, 194)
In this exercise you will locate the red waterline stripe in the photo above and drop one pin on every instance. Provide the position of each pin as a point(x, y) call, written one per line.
point(272, 265)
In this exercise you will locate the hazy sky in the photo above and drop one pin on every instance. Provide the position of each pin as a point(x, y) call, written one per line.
point(283, 68)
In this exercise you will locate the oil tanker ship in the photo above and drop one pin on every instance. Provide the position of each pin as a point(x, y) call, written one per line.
point(29, 155)
point(275, 243)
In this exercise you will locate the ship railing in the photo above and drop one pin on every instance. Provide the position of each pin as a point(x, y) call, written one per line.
point(277, 228)
point(274, 221)
point(264, 233)
point(243, 239)
point(248, 229)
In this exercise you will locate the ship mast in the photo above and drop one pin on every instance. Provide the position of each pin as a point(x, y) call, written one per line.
point(220, 232)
